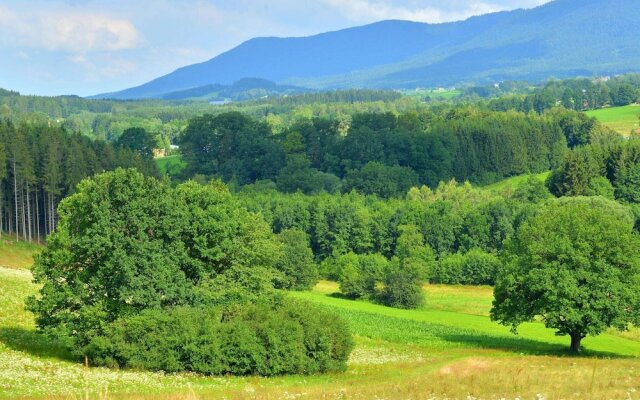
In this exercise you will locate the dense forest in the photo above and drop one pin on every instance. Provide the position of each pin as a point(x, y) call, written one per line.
point(382, 154)
point(41, 165)
point(107, 119)
point(573, 94)
point(373, 142)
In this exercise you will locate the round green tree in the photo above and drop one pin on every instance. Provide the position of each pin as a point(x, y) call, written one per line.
point(575, 265)
point(126, 243)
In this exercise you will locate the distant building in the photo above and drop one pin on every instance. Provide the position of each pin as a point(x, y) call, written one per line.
point(159, 153)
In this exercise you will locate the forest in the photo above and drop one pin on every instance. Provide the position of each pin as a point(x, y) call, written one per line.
point(41, 165)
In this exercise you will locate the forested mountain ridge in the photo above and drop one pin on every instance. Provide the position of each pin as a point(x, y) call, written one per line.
point(563, 38)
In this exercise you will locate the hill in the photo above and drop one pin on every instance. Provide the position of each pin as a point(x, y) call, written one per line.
point(560, 39)
point(244, 89)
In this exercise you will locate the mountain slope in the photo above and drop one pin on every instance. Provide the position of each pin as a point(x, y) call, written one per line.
point(561, 38)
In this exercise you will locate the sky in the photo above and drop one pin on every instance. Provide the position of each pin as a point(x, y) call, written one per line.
point(86, 47)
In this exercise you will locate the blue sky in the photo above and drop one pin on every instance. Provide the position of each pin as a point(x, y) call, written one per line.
point(85, 47)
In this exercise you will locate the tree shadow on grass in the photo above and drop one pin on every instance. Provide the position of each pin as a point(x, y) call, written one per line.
point(338, 295)
point(518, 344)
point(403, 330)
point(34, 343)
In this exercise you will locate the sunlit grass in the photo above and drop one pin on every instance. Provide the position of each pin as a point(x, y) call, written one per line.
point(448, 350)
point(16, 254)
point(514, 182)
point(621, 119)
point(171, 165)
point(439, 327)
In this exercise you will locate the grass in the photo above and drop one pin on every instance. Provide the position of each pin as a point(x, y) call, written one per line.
point(171, 165)
point(621, 119)
point(514, 182)
point(449, 349)
point(16, 254)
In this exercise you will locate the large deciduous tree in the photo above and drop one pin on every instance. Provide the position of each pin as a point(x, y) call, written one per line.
point(576, 265)
point(127, 243)
point(139, 141)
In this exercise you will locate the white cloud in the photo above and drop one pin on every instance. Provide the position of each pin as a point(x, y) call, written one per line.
point(368, 10)
point(72, 32)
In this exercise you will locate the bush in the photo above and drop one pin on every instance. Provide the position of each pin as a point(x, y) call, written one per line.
point(287, 338)
point(403, 289)
point(473, 268)
point(412, 253)
point(297, 266)
point(359, 274)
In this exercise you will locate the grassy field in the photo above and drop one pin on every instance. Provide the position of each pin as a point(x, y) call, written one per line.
point(447, 350)
point(170, 165)
point(16, 254)
point(514, 182)
point(621, 119)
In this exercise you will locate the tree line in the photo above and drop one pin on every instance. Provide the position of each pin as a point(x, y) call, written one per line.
point(375, 153)
point(41, 165)
point(573, 94)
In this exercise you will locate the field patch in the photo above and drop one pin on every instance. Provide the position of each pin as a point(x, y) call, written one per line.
point(16, 253)
point(171, 165)
point(515, 181)
point(623, 120)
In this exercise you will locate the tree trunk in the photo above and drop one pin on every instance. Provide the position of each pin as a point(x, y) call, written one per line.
point(576, 340)
point(15, 193)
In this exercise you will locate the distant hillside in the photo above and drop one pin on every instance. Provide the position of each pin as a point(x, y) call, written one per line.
point(244, 89)
point(563, 38)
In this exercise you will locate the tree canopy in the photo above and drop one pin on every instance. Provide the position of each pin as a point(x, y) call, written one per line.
point(576, 264)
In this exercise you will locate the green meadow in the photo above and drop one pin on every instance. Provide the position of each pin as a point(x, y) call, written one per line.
point(449, 349)
point(514, 182)
point(170, 165)
point(623, 120)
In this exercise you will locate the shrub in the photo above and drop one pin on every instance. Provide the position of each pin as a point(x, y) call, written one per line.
point(359, 274)
point(299, 270)
point(473, 268)
point(290, 337)
point(403, 289)
point(412, 253)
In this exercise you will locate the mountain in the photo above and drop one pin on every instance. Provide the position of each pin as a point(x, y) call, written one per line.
point(563, 38)
point(244, 89)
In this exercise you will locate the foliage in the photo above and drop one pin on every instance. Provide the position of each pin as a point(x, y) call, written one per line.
point(609, 169)
point(576, 265)
point(376, 153)
point(379, 179)
point(292, 338)
point(40, 165)
point(137, 140)
point(402, 289)
point(297, 265)
point(447, 220)
point(126, 243)
point(579, 94)
point(475, 267)
point(359, 274)
point(412, 254)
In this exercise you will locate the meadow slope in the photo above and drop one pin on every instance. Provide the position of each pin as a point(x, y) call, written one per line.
point(448, 350)
point(623, 120)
